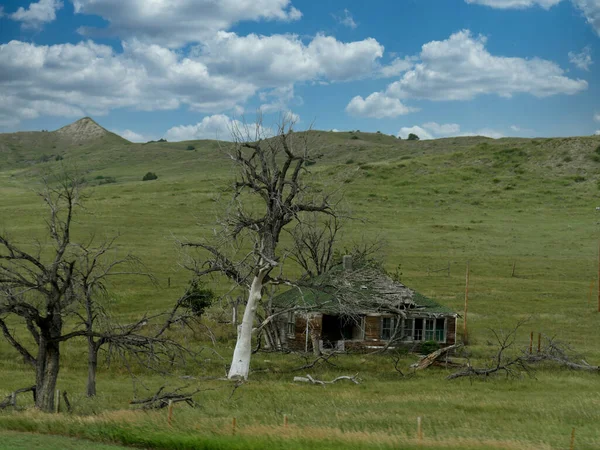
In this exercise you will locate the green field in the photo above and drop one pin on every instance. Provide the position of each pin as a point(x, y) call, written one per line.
point(493, 203)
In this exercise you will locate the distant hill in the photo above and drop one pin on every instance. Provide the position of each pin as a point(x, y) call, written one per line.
point(26, 148)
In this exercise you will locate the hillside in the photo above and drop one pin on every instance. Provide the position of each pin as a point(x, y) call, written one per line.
point(521, 211)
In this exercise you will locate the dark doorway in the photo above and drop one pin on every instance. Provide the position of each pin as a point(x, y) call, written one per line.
point(335, 328)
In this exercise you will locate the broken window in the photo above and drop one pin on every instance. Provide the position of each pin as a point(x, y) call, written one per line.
point(440, 330)
point(291, 323)
point(387, 328)
point(429, 329)
point(418, 336)
point(408, 329)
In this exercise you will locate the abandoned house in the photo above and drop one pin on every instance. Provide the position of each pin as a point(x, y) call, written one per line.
point(354, 308)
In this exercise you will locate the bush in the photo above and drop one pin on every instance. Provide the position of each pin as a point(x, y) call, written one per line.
point(150, 176)
point(58, 157)
point(413, 137)
point(197, 298)
point(190, 147)
point(354, 137)
point(428, 347)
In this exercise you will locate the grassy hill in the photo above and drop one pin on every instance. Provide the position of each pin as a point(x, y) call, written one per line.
point(495, 203)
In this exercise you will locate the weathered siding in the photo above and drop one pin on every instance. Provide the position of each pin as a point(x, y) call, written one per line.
point(372, 328)
point(298, 341)
point(451, 331)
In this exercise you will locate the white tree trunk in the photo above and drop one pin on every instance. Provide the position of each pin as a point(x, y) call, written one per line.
point(240, 365)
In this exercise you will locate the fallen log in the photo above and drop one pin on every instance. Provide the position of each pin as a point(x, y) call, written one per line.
point(308, 379)
point(161, 400)
point(11, 399)
point(433, 357)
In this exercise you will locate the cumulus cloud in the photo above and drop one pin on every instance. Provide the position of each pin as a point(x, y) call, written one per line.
point(433, 130)
point(405, 131)
point(581, 60)
point(591, 11)
point(597, 117)
point(133, 136)
point(185, 21)
point(283, 59)
point(218, 126)
point(397, 67)
point(589, 8)
point(597, 133)
point(37, 14)
point(91, 78)
point(219, 75)
point(461, 68)
point(516, 4)
point(346, 19)
point(377, 105)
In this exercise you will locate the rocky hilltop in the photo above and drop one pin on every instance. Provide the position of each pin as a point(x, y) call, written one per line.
point(83, 130)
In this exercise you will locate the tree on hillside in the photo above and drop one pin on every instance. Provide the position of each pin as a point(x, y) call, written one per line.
point(269, 193)
point(413, 137)
point(38, 287)
point(46, 286)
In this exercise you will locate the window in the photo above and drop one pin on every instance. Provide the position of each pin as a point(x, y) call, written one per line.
point(429, 329)
point(387, 328)
point(418, 330)
point(408, 329)
point(291, 323)
point(440, 330)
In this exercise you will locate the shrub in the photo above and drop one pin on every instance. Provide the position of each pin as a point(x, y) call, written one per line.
point(58, 157)
point(428, 347)
point(578, 179)
point(413, 137)
point(150, 176)
point(190, 147)
point(354, 137)
point(197, 297)
point(349, 161)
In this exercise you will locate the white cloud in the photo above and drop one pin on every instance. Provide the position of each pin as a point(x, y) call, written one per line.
point(597, 133)
point(591, 11)
point(377, 105)
point(91, 78)
point(433, 130)
point(516, 4)
point(37, 14)
point(279, 60)
point(589, 8)
point(461, 68)
point(597, 117)
point(175, 23)
point(448, 129)
point(346, 19)
point(133, 136)
point(405, 131)
point(397, 67)
point(582, 60)
point(218, 126)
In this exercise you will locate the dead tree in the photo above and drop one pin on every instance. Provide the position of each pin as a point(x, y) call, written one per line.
point(506, 360)
point(555, 352)
point(269, 193)
point(37, 287)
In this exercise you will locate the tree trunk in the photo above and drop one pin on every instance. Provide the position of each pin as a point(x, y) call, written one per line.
point(92, 367)
point(46, 374)
point(240, 364)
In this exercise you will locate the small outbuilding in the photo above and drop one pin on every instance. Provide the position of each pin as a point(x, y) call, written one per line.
point(357, 308)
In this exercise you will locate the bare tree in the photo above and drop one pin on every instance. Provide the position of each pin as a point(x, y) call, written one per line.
point(269, 193)
point(37, 287)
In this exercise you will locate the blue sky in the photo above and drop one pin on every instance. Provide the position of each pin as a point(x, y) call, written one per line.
point(184, 69)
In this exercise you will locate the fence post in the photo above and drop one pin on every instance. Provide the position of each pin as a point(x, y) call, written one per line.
point(285, 420)
point(572, 447)
point(419, 429)
point(57, 401)
point(539, 342)
point(170, 415)
point(531, 343)
point(233, 425)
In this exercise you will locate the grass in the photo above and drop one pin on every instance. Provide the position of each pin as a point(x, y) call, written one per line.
point(490, 202)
